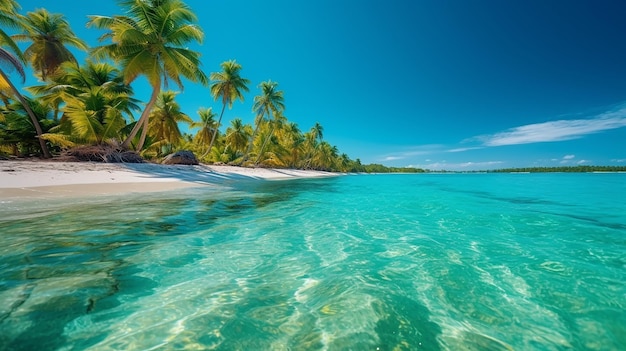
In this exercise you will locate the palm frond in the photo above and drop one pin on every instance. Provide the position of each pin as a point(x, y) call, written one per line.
point(62, 140)
point(13, 62)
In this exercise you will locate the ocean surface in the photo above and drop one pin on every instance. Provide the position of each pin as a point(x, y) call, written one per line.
point(363, 262)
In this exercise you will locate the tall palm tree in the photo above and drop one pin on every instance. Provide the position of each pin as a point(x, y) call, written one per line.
point(207, 125)
point(227, 85)
point(49, 35)
point(8, 17)
point(269, 101)
point(150, 40)
point(165, 118)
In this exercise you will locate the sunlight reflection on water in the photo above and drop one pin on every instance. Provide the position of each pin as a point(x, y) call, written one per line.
point(394, 262)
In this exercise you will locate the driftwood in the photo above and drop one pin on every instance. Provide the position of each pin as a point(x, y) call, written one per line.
point(100, 153)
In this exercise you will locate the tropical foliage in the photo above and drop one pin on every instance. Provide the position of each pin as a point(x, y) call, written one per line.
point(10, 18)
point(228, 86)
point(49, 35)
point(150, 41)
point(89, 103)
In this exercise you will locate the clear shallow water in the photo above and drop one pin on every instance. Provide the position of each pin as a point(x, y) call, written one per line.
point(389, 262)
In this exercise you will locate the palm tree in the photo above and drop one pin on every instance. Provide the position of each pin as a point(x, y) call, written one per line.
point(19, 129)
point(151, 41)
point(344, 162)
point(95, 102)
point(8, 17)
point(278, 122)
point(49, 34)
point(70, 80)
point(237, 135)
point(269, 101)
point(228, 85)
point(207, 125)
point(325, 157)
point(315, 134)
point(293, 141)
point(165, 118)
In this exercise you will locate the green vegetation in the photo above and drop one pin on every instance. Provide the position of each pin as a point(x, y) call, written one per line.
point(92, 103)
point(378, 168)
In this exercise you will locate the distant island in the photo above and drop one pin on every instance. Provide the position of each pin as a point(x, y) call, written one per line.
point(377, 168)
point(564, 169)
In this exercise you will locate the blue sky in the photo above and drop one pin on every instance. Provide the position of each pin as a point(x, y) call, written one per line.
point(458, 85)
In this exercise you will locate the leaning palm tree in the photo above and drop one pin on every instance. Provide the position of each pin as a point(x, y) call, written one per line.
point(49, 35)
point(8, 17)
point(227, 85)
point(150, 40)
point(269, 101)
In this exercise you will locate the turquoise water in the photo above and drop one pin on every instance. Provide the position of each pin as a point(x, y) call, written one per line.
point(370, 262)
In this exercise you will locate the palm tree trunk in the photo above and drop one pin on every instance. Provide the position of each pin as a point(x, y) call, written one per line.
point(144, 133)
point(33, 118)
point(143, 121)
point(217, 128)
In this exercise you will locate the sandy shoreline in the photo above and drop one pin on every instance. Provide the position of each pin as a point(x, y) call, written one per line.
point(34, 179)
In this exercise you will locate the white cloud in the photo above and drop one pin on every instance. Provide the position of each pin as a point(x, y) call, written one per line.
point(557, 130)
point(413, 151)
point(619, 160)
point(461, 149)
point(582, 161)
point(479, 164)
point(444, 165)
point(569, 157)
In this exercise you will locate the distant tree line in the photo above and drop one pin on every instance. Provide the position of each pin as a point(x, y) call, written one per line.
point(378, 168)
point(564, 169)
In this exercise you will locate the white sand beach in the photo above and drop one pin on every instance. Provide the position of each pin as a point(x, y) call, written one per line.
point(34, 179)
